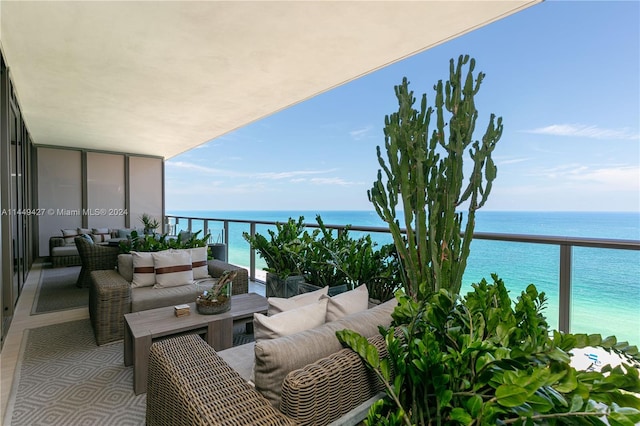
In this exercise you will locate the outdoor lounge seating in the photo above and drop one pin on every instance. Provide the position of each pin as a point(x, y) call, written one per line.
point(111, 296)
point(306, 378)
point(63, 250)
point(94, 257)
point(63, 254)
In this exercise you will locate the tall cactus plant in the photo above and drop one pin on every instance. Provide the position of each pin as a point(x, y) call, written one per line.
point(424, 172)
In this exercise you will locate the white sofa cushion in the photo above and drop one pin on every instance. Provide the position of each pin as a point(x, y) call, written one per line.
point(144, 298)
point(279, 304)
point(289, 322)
point(347, 303)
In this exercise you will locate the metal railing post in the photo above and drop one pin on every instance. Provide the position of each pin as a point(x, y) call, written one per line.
point(564, 293)
point(252, 254)
point(225, 239)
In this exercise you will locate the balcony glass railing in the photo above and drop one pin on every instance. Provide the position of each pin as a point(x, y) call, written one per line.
point(588, 289)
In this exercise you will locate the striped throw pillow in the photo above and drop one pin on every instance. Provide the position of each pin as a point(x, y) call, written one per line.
point(69, 235)
point(199, 263)
point(173, 268)
point(144, 274)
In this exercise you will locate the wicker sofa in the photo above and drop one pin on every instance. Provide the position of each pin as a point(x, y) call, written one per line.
point(111, 296)
point(63, 250)
point(302, 379)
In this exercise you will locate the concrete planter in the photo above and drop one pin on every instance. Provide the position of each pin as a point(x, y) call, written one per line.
point(218, 251)
point(285, 288)
point(306, 288)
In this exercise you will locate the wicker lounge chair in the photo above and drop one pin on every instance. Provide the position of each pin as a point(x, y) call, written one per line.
point(322, 383)
point(189, 384)
point(94, 257)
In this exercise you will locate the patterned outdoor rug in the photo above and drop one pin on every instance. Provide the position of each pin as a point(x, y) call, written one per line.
point(57, 290)
point(65, 379)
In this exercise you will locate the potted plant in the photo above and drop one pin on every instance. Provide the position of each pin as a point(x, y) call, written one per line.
point(145, 243)
point(343, 263)
point(150, 224)
point(480, 359)
point(281, 252)
point(218, 298)
point(218, 249)
point(321, 257)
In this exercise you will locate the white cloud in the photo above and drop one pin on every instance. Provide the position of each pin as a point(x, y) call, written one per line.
point(613, 177)
point(293, 174)
point(360, 134)
point(191, 166)
point(616, 178)
point(212, 171)
point(586, 131)
point(332, 181)
point(505, 162)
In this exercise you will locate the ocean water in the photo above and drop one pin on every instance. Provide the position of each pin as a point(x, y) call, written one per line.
point(605, 282)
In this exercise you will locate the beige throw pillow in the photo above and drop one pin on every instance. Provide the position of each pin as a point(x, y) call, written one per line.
point(199, 263)
point(173, 268)
point(100, 238)
point(289, 322)
point(347, 303)
point(69, 235)
point(278, 304)
point(144, 274)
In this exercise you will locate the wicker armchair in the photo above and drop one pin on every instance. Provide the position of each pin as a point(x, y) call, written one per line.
point(190, 384)
point(94, 257)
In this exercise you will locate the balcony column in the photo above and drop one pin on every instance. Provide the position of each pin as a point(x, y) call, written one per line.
point(564, 317)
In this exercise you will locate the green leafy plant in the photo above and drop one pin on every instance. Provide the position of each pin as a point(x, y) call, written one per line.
point(327, 258)
point(322, 256)
point(482, 361)
point(473, 360)
point(150, 224)
point(145, 243)
point(424, 172)
point(281, 250)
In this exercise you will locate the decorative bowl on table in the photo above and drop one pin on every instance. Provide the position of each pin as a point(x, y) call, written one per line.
point(217, 298)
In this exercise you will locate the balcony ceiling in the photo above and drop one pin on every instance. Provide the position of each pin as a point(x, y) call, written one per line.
point(162, 77)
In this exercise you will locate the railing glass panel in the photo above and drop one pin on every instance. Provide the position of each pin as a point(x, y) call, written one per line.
point(518, 265)
point(600, 303)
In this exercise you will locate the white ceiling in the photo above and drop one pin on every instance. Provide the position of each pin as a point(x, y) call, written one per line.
point(162, 77)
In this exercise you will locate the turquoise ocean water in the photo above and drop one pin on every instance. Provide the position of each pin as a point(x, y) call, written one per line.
point(605, 282)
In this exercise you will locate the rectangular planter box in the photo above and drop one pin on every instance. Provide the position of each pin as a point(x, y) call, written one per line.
point(285, 288)
point(306, 288)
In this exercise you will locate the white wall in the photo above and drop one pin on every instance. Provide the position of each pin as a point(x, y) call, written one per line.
point(95, 190)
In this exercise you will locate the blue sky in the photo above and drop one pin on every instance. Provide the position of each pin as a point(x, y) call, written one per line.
point(565, 77)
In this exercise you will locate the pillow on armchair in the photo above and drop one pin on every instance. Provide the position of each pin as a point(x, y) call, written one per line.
point(69, 235)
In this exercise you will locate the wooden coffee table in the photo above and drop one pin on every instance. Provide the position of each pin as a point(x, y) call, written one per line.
point(142, 328)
